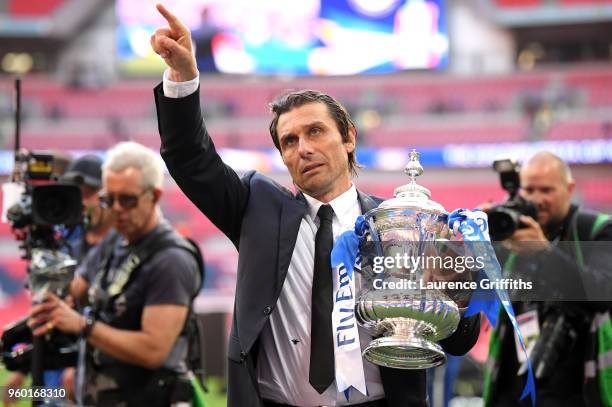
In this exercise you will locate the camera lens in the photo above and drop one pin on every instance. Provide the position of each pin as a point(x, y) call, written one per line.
point(502, 222)
point(56, 204)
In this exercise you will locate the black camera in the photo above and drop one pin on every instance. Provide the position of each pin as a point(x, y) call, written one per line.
point(49, 270)
point(16, 344)
point(558, 336)
point(47, 205)
point(44, 205)
point(504, 218)
point(45, 214)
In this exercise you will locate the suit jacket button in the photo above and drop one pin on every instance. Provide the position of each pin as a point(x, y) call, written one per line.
point(243, 356)
point(267, 310)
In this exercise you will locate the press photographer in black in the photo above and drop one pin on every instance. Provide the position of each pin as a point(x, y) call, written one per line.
point(141, 281)
point(556, 248)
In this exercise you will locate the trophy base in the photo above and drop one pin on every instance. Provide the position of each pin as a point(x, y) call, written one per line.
point(399, 352)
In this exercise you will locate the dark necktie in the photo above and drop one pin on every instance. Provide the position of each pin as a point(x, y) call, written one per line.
point(321, 373)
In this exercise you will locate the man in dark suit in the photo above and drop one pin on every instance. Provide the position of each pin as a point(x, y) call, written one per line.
point(281, 346)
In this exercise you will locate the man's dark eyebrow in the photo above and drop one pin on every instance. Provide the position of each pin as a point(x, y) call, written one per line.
point(283, 136)
point(316, 123)
point(307, 125)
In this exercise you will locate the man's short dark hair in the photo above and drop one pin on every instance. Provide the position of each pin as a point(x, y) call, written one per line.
point(291, 100)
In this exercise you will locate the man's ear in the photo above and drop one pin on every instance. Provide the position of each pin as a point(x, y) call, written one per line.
point(157, 193)
point(570, 187)
point(352, 140)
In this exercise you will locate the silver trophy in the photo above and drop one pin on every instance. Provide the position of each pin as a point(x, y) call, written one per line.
point(406, 322)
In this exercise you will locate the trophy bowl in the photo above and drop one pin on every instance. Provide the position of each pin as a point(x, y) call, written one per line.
point(406, 322)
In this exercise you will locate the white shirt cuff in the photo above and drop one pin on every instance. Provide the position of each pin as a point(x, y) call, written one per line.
point(177, 90)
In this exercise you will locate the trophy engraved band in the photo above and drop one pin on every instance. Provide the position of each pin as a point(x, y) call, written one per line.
point(405, 322)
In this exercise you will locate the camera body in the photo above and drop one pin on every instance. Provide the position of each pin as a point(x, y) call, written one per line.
point(47, 205)
point(41, 217)
point(560, 329)
point(44, 205)
point(60, 348)
point(504, 217)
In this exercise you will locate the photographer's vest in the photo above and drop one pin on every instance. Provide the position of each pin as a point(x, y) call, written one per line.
point(598, 363)
point(104, 295)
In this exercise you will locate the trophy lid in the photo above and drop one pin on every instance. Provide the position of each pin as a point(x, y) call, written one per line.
point(412, 195)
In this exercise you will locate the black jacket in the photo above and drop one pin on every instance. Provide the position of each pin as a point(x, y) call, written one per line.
point(262, 219)
point(574, 283)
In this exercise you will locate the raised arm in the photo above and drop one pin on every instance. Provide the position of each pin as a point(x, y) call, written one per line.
point(186, 147)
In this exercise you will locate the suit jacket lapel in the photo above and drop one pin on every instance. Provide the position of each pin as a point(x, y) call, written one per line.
point(367, 202)
point(292, 213)
point(250, 319)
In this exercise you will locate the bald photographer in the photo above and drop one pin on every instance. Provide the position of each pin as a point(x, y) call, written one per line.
point(561, 248)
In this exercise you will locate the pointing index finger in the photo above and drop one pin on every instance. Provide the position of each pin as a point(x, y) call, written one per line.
point(174, 23)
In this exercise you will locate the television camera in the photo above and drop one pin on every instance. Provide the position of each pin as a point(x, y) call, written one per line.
point(42, 216)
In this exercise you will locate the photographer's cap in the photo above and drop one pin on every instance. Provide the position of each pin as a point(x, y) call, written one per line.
point(85, 170)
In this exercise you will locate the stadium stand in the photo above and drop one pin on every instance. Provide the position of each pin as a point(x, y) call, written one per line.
point(34, 8)
point(418, 109)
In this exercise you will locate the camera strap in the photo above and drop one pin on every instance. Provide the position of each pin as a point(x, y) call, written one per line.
point(97, 296)
point(586, 225)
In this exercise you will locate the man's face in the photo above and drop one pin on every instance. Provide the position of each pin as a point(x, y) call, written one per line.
point(313, 151)
point(545, 185)
point(133, 206)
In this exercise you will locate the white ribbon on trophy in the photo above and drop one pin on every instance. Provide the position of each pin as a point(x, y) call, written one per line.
point(347, 349)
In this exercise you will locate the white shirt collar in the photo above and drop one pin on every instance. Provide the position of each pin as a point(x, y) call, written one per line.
point(340, 204)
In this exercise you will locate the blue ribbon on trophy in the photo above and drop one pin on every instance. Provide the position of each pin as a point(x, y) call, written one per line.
point(474, 227)
point(346, 249)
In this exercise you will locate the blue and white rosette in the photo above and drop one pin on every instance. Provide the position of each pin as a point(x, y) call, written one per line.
point(347, 348)
point(473, 226)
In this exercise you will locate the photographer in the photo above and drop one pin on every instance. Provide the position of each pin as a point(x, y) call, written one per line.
point(565, 350)
point(141, 284)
